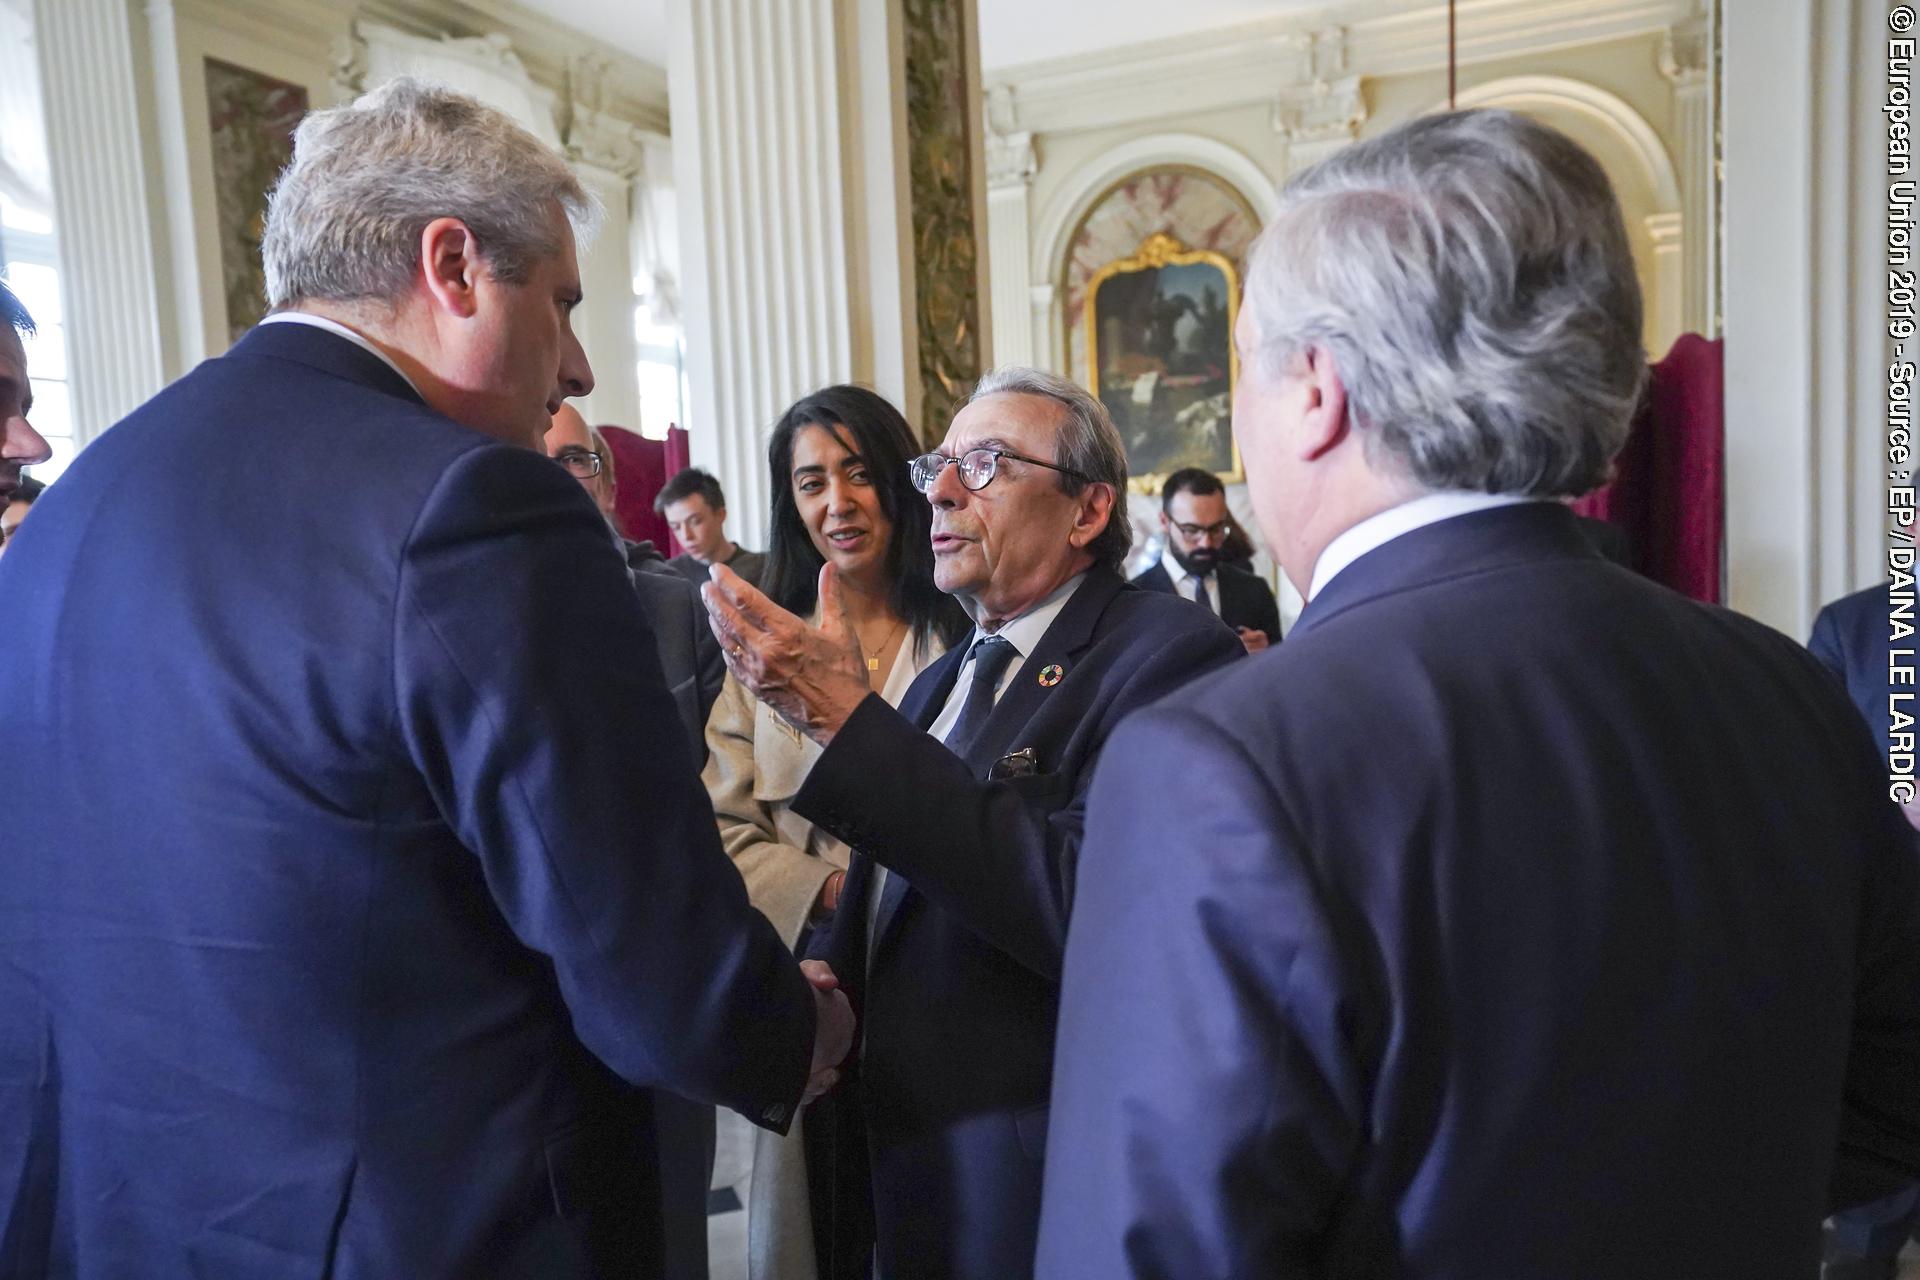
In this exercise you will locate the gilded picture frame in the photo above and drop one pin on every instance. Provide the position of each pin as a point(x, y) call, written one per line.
point(1160, 357)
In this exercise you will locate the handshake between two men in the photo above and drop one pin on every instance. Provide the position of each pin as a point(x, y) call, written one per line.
point(832, 1028)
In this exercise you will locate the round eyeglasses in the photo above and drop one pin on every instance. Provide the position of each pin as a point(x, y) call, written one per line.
point(977, 468)
point(581, 464)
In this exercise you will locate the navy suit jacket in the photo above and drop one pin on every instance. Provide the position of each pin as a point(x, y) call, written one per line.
point(1245, 601)
point(958, 993)
point(1532, 921)
point(357, 862)
point(1851, 637)
point(690, 656)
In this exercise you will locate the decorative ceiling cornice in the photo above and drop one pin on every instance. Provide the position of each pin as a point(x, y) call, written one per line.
point(1279, 57)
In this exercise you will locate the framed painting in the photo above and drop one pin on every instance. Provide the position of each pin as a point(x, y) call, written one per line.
point(1160, 356)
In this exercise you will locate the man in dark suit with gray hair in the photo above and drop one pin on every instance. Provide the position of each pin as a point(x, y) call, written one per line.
point(366, 862)
point(1530, 920)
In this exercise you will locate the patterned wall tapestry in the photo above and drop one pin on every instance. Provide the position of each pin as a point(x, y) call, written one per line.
point(1197, 209)
point(940, 123)
point(252, 117)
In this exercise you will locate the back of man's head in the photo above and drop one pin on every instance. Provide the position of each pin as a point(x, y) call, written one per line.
point(1194, 480)
point(691, 483)
point(1471, 277)
point(344, 222)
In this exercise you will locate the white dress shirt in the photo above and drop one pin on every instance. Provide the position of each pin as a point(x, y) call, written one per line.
point(339, 330)
point(1023, 633)
point(1378, 530)
point(1186, 585)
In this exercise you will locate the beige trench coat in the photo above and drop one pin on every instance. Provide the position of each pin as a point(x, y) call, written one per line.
point(756, 764)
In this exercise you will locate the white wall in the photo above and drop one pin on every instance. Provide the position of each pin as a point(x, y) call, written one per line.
point(1805, 304)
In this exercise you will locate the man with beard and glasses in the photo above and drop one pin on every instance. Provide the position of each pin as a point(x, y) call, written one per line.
point(1194, 516)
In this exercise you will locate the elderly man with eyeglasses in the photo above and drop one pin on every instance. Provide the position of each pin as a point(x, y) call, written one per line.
point(965, 808)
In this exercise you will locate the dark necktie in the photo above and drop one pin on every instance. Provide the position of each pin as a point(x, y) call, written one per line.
point(991, 655)
point(1200, 596)
point(990, 658)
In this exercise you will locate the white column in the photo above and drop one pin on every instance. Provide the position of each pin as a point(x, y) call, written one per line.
point(104, 208)
point(1048, 332)
point(1684, 53)
point(1011, 164)
point(1806, 346)
point(758, 173)
point(1667, 307)
point(604, 320)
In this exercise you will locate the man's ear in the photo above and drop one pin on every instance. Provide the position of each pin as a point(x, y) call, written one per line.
point(1166, 525)
point(450, 266)
point(1323, 420)
point(1092, 511)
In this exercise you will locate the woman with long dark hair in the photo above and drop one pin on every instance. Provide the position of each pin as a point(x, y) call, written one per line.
point(841, 492)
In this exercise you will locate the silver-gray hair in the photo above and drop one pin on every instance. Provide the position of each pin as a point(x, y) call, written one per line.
point(344, 220)
point(1088, 443)
point(1471, 276)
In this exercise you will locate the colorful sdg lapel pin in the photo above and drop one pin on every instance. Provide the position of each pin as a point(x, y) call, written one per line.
point(1052, 674)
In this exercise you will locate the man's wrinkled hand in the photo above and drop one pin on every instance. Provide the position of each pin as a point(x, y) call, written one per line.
point(833, 1028)
point(813, 677)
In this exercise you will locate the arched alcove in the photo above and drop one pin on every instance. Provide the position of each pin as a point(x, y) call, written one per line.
point(1637, 162)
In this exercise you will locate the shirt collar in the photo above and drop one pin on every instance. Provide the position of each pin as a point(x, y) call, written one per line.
point(341, 331)
point(1173, 567)
point(1024, 632)
point(1378, 530)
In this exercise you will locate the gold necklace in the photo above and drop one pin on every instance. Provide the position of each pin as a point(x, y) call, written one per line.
point(873, 659)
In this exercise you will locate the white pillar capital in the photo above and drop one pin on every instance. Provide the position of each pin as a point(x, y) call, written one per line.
point(1684, 49)
point(1319, 118)
point(1011, 160)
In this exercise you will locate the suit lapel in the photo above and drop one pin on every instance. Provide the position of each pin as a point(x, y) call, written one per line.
point(1064, 641)
point(1156, 578)
point(921, 706)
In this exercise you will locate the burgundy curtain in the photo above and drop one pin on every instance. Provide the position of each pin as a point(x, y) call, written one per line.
point(1668, 493)
point(642, 468)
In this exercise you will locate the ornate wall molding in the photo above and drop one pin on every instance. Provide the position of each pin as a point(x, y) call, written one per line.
point(1684, 49)
point(940, 119)
point(1233, 66)
point(1011, 160)
point(1092, 179)
point(1319, 118)
point(1593, 102)
point(632, 90)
